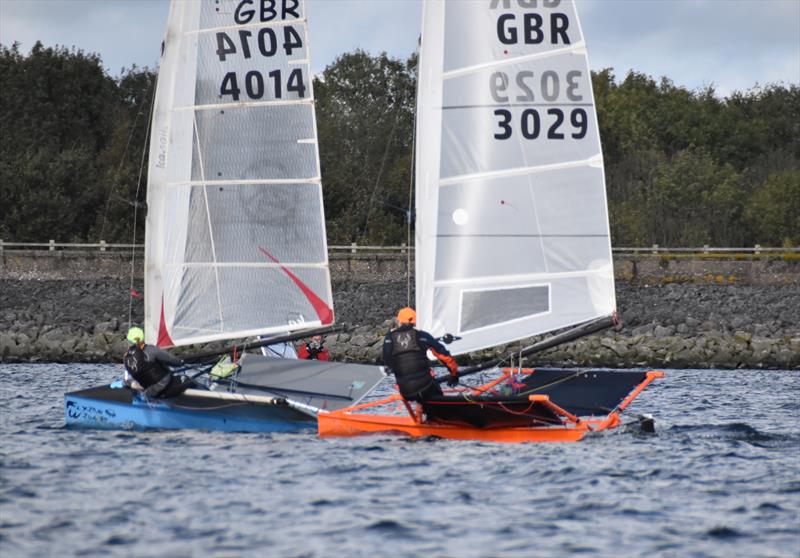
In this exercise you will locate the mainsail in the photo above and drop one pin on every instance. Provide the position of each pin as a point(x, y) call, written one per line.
point(235, 242)
point(512, 228)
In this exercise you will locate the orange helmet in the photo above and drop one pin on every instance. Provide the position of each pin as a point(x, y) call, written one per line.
point(407, 316)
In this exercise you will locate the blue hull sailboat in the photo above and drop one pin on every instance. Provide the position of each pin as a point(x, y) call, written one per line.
point(235, 242)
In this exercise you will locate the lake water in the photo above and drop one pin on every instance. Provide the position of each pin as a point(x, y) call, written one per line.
point(720, 477)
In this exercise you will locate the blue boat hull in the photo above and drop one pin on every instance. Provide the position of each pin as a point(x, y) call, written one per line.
point(120, 408)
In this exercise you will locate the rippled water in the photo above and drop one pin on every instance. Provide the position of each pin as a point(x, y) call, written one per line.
point(721, 477)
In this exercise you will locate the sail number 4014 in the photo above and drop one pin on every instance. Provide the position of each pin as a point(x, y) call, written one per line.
point(531, 125)
point(255, 85)
point(266, 42)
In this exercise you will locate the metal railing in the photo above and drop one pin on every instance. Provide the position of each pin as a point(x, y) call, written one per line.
point(353, 248)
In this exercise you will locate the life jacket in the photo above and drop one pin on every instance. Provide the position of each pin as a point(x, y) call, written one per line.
point(313, 353)
point(144, 371)
point(409, 361)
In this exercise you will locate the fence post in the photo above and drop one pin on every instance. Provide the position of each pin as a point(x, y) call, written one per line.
point(705, 248)
point(402, 247)
point(1, 244)
point(655, 248)
point(352, 247)
point(52, 245)
point(102, 245)
point(758, 249)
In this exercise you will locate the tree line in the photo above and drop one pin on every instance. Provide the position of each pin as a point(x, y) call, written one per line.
point(683, 168)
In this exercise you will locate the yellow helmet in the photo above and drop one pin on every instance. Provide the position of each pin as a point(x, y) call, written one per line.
point(407, 316)
point(135, 335)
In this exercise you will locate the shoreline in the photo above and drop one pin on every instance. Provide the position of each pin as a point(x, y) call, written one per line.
point(672, 324)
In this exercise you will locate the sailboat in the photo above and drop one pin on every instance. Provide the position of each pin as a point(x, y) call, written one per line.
point(235, 241)
point(512, 234)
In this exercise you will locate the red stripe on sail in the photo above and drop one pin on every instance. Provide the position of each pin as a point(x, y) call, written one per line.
point(324, 312)
point(164, 340)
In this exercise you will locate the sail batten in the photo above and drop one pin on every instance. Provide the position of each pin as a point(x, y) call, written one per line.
point(258, 25)
point(578, 48)
point(512, 228)
point(234, 174)
point(593, 161)
point(217, 106)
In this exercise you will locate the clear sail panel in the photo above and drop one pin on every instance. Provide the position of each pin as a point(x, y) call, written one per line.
point(255, 143)
point(237, 223)
point(210, 311)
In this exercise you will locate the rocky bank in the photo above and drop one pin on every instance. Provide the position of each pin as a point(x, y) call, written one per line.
point(675, 325)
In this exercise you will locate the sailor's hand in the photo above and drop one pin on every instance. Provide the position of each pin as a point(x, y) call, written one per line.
point(452, 381)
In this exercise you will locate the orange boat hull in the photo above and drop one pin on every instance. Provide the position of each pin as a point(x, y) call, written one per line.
point(349, 422)
point(336, 425)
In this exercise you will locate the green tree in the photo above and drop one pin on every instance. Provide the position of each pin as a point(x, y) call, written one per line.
point(55, 121)
point(774, 210)
point(365, 114)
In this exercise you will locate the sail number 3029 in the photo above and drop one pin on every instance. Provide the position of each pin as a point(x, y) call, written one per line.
point(531, 124)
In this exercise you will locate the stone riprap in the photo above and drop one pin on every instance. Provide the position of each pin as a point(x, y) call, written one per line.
point(676, 325)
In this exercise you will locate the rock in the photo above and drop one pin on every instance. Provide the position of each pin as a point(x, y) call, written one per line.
point(51, 340)
point(691, 322)
point(7, 345)
point(661, 331)
point(105, 327)
point(362, 340)
point(742, 337)
point(707, 326)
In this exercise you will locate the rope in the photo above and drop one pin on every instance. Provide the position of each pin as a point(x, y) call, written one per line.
point(380, 171)
point(122, 161)
point(411, 196)
point(136, 205)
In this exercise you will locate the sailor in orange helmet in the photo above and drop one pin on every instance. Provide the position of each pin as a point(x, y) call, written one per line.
point(405, 353)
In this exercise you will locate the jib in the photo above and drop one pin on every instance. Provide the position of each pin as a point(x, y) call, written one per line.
point(265, 10)
point(531, 30)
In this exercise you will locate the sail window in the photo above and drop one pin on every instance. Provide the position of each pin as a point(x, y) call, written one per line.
point(486, 308)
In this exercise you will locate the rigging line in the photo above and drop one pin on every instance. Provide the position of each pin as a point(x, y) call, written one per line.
point(551, 384)
point(136, 205)
point(208, 217)
point(412, 170)
point(380, 170)
point(124, 152)
point(411, 190)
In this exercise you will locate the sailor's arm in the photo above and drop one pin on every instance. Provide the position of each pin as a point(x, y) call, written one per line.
point(162, 356)
point(439, 351)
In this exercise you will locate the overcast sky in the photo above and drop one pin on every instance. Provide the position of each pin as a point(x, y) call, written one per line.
point(731, 44)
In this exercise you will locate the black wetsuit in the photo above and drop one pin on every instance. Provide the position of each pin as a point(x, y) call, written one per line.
point(150, 367)
point(405, 353)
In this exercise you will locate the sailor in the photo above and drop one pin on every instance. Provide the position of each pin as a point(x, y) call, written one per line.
point(405, 353)
point(147, 368)
point(314, 350)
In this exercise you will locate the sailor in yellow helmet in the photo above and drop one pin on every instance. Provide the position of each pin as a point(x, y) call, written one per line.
point(405, 351)
point(148, 366)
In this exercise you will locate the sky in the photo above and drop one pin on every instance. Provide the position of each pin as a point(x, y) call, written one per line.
point(728, 44)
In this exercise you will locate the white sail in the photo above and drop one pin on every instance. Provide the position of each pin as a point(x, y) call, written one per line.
point(512, 228)
point(235, 242)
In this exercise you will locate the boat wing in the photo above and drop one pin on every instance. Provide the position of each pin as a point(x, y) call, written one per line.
point(320, 384)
